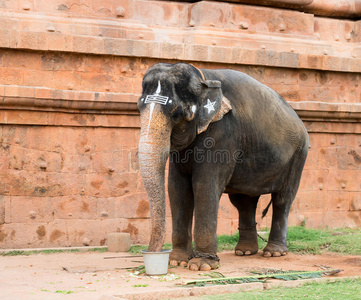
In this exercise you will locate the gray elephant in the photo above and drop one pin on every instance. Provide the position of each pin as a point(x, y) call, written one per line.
point(223, 132)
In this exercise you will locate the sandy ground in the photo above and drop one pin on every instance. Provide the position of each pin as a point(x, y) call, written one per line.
point(103, 276)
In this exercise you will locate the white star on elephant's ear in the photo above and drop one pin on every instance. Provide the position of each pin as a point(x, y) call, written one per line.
point(210, 105)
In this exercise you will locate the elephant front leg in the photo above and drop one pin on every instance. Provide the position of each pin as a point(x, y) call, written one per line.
point(206, 204)
point(181, 203)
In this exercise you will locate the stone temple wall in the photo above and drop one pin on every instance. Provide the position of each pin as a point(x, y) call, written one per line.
point(70, 76)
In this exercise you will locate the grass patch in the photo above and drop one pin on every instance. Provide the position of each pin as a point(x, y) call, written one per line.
point(140, 285)
point(137, 248)
point(349, 289)
point(318, 241)
point(227, 242)
point(300, 240)
point(27, 253)
point(99, 250)
point(64, 292)
point(309, 241)
point(50, 251)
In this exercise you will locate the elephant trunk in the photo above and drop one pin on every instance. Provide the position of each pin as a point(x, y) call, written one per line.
point(154, 146)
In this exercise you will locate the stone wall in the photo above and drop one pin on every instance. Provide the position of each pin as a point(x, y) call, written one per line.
point(70, 76)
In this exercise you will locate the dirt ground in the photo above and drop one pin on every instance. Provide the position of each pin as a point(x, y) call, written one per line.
point(103, 276)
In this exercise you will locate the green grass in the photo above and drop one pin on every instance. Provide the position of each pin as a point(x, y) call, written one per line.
point(140, 285)
point(64, 292)
point(300, 240)
point(228, 242)
point(50, 251)
point(137, 248)
point(318, 241)
point(309, 241)
point(349, 289)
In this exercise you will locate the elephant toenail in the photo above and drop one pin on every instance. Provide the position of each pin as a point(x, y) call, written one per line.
point(276, 254)
point(267, 254)
point(247, 253)
point(284, 253)
point(239, 253)
point(183, 264)
point(173, 263)
point(193, 267)
point(205, 267)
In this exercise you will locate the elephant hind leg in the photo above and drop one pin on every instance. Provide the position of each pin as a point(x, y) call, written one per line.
point(246, 206)
point(277, 242)
point(281, 205)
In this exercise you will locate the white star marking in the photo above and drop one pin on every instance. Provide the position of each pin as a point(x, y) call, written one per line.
point(210, 105)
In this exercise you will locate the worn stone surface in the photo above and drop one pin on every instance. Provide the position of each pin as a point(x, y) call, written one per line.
point(107, 275)
point(70, 76)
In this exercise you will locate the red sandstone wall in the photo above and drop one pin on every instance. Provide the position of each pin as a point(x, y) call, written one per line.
point(70, 75)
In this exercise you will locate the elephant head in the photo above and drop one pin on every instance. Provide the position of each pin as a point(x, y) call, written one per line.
point(176, 105)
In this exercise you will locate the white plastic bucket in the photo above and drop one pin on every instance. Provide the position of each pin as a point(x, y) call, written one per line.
point(156, 263)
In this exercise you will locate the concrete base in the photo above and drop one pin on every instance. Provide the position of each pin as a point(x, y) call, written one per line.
point(118, 242)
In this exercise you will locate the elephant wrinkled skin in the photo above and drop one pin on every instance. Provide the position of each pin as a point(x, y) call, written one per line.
point(223, 132)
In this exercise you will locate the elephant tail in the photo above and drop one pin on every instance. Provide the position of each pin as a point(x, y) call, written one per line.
point(265, 211)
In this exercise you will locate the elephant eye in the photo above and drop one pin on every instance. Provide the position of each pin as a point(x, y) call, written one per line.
point(177, 115)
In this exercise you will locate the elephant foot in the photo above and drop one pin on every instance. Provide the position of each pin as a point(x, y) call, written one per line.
point(246, 249)
point(203, 262)
point(179, 257)
point(274, 250)
point(247, 243)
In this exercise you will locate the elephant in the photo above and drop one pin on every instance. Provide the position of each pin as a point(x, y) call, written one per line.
point(231, 134)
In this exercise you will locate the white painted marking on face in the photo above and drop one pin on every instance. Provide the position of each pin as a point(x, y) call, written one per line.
point(159, 88)
point(210, 105)
point(194, 108)
point(157, 98)
point(150, 116)
point(151, 112)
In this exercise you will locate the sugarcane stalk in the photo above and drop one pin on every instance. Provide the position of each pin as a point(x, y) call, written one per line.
point(253, 277)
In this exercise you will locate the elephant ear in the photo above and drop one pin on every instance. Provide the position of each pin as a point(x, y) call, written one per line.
point(214, 105)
